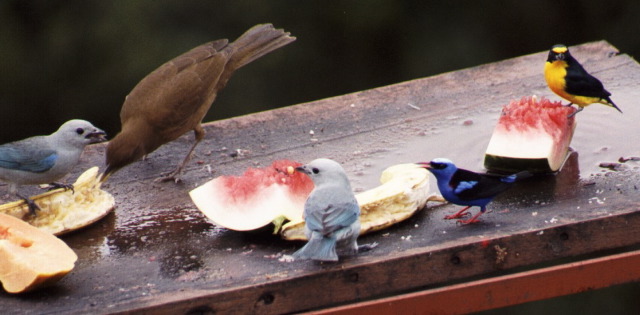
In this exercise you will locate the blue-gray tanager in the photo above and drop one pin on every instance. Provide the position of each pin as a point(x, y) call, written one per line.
point(45, 159)
point(331, 212)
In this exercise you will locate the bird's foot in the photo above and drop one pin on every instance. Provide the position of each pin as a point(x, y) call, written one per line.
point(459, 214)
point(574, 113)
point(474, 219)
point(33, 207)
point(173, 176)
point(456, 216)
point(55, 185)
point(470, 221)
point(367, 247)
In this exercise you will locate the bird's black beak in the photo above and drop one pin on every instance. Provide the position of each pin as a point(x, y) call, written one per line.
point(96, 136)
point(426, 165)
point(555, 56)
point(302, 169)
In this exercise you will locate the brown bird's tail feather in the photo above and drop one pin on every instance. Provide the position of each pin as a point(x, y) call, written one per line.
point(257, 42)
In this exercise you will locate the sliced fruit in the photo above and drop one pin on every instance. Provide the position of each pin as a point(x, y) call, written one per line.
point(63, 211)
point(532, 135)
point(29, 257)
point(256, 198)
point(263, 196)
point(404, 190)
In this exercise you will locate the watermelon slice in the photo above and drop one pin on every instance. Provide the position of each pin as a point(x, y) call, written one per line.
point(256, 198)
point(531, 135)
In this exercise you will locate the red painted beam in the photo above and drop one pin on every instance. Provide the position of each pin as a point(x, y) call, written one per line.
point(506, 290)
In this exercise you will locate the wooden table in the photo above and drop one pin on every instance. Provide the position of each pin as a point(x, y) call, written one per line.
point(158, 254)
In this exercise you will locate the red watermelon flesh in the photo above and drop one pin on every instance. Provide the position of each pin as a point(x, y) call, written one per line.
point(255, 198)
point(531, 135)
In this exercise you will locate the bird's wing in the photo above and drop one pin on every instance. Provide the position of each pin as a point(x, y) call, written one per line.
point(25, 157)
point(464, 186)
point(468, 185)
point(186, 83)
point(580, 82)
point(333, 217)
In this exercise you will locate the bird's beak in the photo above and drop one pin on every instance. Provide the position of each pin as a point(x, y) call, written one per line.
point(426, 165)
point(302, 169)
point(559, 56)
point(96, 136)
point(104, 177)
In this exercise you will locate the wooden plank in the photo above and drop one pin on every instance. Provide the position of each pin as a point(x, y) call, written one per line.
point(158, 254)
point(507, 290)
point(421, 267)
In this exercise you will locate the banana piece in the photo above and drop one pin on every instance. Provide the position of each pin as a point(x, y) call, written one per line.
point(62, 210)
point(404, 190)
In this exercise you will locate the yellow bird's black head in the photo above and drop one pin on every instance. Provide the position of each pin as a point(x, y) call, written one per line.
point(559, 52)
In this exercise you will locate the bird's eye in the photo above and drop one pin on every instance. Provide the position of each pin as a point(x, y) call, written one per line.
point(438, 166)
point(315, 170)
point(79, 131)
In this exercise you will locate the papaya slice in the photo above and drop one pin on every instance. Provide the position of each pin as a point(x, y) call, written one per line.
point(29, 257)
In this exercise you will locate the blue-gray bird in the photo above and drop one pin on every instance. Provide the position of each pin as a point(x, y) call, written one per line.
point(331, 212)
point(46, 159)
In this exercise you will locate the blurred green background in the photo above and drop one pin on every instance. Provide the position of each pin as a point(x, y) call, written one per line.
point(79, 58)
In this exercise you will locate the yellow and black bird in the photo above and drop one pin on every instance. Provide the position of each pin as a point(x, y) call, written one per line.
point(566, 77)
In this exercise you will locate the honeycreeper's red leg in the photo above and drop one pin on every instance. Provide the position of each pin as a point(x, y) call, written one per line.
point(472, 220)
point(458, 214)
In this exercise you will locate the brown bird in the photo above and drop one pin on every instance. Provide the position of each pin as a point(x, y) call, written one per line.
point(174, 98)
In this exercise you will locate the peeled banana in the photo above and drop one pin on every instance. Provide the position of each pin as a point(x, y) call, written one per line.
point(63, 211)
point(404, 190)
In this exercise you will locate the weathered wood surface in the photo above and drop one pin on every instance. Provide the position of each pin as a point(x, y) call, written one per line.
point(507, 290)
point(158, 254)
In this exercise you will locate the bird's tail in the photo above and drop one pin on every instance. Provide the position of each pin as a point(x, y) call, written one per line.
point(607, 101)
point(517, 177)
point(257, 42)
point(318, 248)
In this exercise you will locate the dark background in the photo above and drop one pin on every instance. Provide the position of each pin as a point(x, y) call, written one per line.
point(78, 59)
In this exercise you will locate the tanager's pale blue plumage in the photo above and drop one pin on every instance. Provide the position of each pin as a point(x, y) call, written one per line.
point(46, 159)
point(331, 212)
